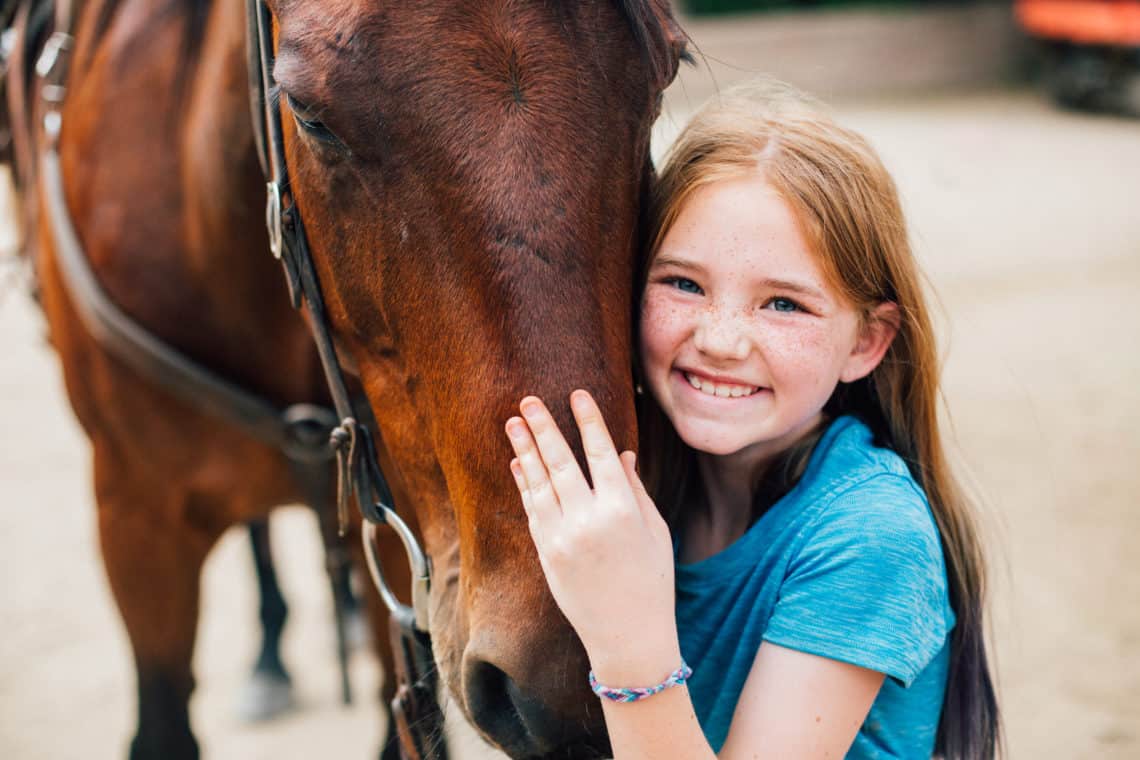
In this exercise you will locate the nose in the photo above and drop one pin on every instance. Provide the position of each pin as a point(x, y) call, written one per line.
point(723, 333)
point(518, 722)
point(531, 721)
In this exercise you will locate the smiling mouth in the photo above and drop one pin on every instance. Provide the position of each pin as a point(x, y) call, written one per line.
point(721, 390)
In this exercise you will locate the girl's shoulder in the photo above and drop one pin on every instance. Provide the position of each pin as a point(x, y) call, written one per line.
point(847, 456)
point(860, 507)
point(849, 474)
point(865, 580)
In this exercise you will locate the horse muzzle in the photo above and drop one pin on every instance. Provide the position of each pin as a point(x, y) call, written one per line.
point(524, 721)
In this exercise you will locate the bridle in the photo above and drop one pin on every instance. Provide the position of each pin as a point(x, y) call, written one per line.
point(415, 709)
point(357, 467)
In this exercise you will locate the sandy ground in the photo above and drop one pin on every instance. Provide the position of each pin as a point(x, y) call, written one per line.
point(1027, 222)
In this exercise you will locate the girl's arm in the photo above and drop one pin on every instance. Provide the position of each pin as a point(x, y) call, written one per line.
point(798, 705)
point(608, 558)
point(794, 705)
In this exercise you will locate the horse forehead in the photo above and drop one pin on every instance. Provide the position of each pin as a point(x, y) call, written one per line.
point(329, 26)
point(490, 85)
point(356, 34)
point(506, 76)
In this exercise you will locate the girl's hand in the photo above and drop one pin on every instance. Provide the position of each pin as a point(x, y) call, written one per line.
point(606, 551)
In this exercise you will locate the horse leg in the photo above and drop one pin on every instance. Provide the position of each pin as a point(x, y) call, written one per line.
point(269, 691)
point(154, 541)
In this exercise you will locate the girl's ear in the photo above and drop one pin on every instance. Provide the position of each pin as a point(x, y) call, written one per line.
point(875, 336)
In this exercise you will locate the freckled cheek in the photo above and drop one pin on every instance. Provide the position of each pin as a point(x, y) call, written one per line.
point(802, 358)
point(662, 331)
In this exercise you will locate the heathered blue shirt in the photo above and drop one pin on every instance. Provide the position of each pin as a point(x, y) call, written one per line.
point(847, 565)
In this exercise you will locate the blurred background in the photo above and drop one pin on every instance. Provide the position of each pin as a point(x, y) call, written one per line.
point(1011, 132)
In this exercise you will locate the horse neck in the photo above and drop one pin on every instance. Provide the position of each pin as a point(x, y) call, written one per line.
point(221, 177)
point(224, 199)
point(186, 173)
point(197, 106)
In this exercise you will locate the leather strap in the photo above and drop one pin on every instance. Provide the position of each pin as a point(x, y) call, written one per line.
point(359, 472)
point(416, 714)
point(300, 430)
point(256, 99)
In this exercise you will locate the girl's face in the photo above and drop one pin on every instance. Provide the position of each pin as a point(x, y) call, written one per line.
point(743, 340)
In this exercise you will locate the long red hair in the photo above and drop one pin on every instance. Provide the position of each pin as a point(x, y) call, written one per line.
point(849, 210)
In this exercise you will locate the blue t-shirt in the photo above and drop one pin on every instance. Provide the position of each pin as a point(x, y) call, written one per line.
point(847, 565)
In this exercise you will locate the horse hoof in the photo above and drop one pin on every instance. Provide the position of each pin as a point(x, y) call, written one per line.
point(265, 696)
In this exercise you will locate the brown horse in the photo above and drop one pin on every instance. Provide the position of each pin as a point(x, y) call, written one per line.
point(470, 174)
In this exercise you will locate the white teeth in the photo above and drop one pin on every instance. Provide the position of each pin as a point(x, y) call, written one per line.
point(722, 390)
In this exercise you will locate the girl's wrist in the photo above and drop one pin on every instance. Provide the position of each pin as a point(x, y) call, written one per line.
point(634, 663)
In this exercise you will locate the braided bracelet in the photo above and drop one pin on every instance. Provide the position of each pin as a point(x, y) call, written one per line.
point(676, 678)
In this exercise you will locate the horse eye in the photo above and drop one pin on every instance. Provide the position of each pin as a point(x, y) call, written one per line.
point(308, 121)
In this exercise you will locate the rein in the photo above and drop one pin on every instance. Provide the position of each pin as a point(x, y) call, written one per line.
point(300, 430)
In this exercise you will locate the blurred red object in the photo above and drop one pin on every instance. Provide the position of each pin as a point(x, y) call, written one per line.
point(1091, 22)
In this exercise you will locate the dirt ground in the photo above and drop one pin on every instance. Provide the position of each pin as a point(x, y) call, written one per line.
point(1026, 220)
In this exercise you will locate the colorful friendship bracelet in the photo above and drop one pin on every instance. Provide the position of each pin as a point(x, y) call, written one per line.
point(676, 678)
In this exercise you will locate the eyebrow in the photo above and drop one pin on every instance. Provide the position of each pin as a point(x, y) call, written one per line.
point(792, 285)
point(666, 261)
point(775, 283)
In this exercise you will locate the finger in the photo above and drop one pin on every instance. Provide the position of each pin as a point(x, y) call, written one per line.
point(520, 483)
point(533, 522)
point(566, 477)
point(601, 456)
point(543, 500)
point(644, 501)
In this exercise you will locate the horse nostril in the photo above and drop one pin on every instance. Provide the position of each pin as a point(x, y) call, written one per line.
point(520, 724)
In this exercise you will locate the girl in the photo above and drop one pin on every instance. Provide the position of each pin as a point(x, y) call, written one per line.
point(825, 582)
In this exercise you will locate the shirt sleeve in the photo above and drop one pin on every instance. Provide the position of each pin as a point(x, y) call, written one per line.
point(868, 583)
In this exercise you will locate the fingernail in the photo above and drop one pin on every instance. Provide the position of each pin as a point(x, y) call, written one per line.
point(531, 408)
point(516, 428)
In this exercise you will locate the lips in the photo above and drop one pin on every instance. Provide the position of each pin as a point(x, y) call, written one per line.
point(719, 388)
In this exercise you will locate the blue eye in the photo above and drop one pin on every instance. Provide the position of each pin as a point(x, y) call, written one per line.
point(785, 305)
point(685, 285)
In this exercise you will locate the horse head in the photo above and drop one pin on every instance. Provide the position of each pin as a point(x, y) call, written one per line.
point(471, 176)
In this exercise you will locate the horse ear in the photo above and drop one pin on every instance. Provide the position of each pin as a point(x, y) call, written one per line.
point(670, 39)
point(676, 37)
